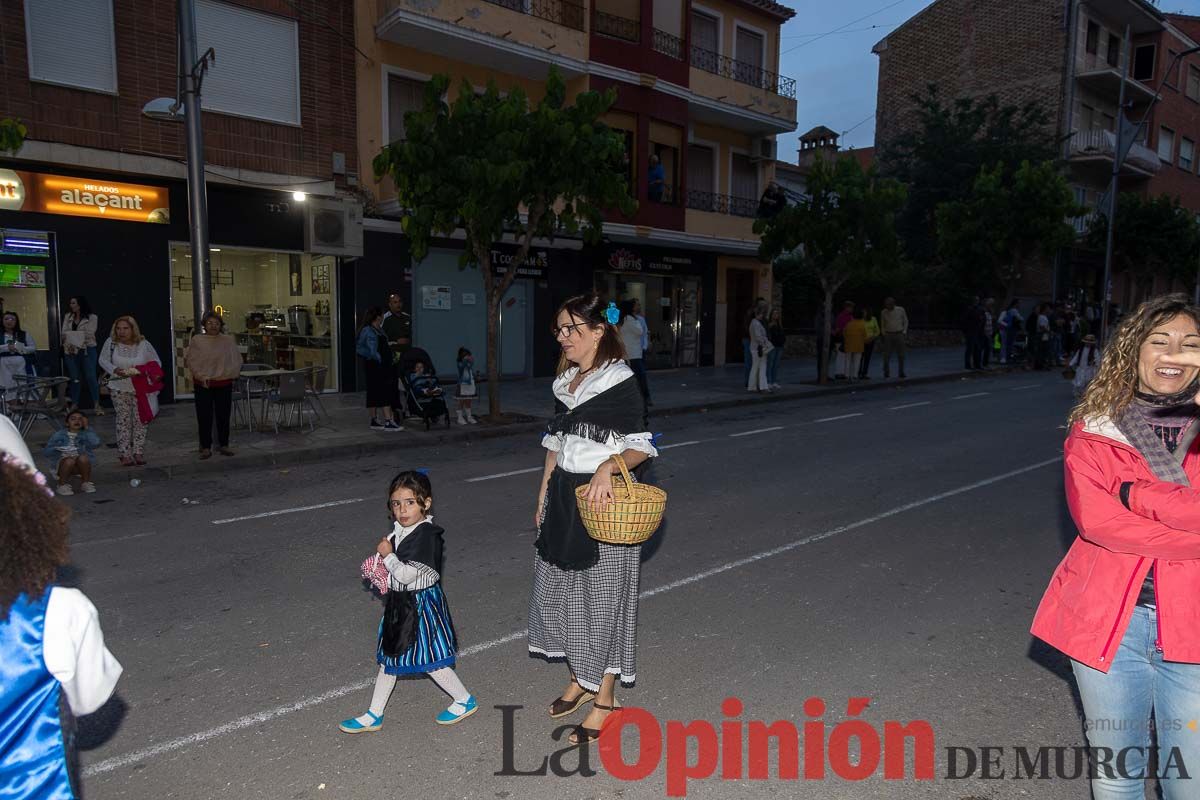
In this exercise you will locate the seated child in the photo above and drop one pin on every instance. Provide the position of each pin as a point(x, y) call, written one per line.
point(74, 447)
point(423, 384)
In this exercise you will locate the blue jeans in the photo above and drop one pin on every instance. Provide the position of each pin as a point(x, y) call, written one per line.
point(773, 365)
point(1117, 706)
point(81, 366)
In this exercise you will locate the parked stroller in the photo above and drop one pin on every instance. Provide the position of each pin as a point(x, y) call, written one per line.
point(427, 408)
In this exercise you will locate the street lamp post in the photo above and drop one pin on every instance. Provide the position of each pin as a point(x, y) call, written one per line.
point(186, 108)
point(1122, 149)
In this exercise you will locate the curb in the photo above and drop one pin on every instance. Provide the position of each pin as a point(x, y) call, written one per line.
point(442, 436)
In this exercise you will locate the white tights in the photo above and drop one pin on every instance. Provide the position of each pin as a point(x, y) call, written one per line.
point(446, 679)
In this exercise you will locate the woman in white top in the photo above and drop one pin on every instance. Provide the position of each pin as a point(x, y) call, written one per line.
point(760, 346)
point(633, 336)
point(583, 607)
point(120, 357)
point(79, 350)
point(51, 644)
point(15, 344)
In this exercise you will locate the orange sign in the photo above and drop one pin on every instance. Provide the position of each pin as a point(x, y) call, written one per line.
point(83, 197)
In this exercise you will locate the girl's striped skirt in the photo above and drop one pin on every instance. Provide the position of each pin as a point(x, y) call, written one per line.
point(435, 646)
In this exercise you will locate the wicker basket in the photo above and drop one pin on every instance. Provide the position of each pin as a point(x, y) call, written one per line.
point(633, 515)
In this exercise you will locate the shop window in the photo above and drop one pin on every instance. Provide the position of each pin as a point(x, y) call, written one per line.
point(258, 72)
point(1143, 63)
point(280, 307)
point(56, 31)
point(1114, 51)
point(1166, 144)
point(404, 95)
point(1092, 41)
point(25, 258)
point(1187, 153)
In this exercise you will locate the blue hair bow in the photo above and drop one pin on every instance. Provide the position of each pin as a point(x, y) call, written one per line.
point(612, 313)
point(422, 471)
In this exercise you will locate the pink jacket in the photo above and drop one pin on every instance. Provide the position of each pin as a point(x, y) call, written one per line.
point(1092, 594)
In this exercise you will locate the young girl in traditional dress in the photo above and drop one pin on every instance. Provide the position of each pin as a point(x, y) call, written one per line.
point(416, 634)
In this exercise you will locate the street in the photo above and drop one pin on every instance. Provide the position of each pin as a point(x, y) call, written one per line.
point(889, 545)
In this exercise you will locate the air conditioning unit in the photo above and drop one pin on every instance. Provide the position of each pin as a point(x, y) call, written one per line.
point(333, 226)
point(764, 149)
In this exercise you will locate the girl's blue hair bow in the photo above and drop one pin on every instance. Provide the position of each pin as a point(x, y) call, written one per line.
point(612, 313)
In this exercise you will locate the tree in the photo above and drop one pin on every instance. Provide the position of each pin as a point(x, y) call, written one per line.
point(12, 135)
point(1154, 236)
point(1009, 217)
point(491, 166)
point(844, 229)
point(941, 156)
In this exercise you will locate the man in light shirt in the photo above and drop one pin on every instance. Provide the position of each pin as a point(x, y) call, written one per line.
point(893, 321)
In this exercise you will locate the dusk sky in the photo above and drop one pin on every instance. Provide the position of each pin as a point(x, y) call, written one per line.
point(836, 74)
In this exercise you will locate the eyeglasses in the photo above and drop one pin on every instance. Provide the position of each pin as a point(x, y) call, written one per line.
point(563, 331)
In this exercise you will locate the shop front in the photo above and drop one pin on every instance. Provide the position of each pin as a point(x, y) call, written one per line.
point(676, 292)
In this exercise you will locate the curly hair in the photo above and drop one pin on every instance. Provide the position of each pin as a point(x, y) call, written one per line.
point(1116, 381)
point(33, 536)
point(416, 482)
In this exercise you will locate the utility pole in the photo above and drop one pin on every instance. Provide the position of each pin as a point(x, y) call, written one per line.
point(1118, 160)
point(191, 73)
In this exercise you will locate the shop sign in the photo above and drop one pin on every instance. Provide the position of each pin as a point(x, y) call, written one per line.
point(626, 260)
point(436, 298)
point(22, 276)
point(537, 263)
point(83, 197)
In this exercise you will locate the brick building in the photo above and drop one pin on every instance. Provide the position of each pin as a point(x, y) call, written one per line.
point(279, 133)
point(697, 88)
point(1070, 62)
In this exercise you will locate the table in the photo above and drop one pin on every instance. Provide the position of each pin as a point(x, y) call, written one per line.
point(267, 377)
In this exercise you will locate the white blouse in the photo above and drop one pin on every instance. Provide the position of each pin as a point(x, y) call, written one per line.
point(74, 652)
point(114, 356)
point(409, 576)
point(583, 456)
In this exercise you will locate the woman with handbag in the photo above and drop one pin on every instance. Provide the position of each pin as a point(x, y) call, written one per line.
point(760, 349)
point(215, 363)
point(15, 346)
point(583, 607)
point(79, 350)
point(124, 357)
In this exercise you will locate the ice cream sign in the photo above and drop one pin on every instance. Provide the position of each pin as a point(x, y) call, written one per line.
point(83, 197)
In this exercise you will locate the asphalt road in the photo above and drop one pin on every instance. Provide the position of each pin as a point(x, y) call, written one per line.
point(889, 545)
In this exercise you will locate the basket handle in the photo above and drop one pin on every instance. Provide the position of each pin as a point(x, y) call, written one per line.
point(624, 474)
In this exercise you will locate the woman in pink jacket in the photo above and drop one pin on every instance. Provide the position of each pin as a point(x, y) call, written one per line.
point(1124, 604)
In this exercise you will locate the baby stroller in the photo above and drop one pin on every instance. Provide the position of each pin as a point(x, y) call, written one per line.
point(429, 409)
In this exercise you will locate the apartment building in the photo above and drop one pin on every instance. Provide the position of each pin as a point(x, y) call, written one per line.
point(1071, 63)
point(697, 87)
point(95, 203)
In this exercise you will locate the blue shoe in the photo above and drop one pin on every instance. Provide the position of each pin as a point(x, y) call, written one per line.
point(352, 725)
point(457, 712)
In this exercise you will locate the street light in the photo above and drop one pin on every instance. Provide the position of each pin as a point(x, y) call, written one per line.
point(186, 109)
point(1118, 161)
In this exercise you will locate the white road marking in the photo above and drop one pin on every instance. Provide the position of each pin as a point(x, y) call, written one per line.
point(679, 444)
point(504, 474)
point(835, 419)
point(110, 764)
point(330, 504)
point(911, 405)
point(114, 539)
point(1026, 386)
point(758, 430)
point(969, 396)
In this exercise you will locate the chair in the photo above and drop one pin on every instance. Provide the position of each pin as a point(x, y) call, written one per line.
point(243, 408)
point(251, 391)
point(315, 387)
point(39, 397)
point(290, 394)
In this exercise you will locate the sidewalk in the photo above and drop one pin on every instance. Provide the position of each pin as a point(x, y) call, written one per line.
point(171, 449)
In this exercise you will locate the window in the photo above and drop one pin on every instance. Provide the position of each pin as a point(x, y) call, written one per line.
point(1143, 63)
point(748, 57)
point(257, 74)
point(1193, 83)
point(1108, 122)
point(57, 28)
point(1092, 43)
point(1166, 144)
point(404, 95)
point(1114, 51)
point(743, 186)
point(701, 177)
point(1187, 152)
point(705, 34)
point(1087, 117)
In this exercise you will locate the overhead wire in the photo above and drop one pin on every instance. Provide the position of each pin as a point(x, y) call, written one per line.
point(843, 27)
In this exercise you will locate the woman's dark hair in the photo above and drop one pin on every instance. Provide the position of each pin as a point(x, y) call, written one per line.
point(211, 315)
point(33, 536)
point(369, 316)
point(17, 332)
point(589, 309)
point(85, 308)
point(462, 353)
point(627, 309)
point(417, 483)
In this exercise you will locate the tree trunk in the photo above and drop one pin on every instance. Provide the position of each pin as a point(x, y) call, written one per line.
point(494, 294)
point(826, 329)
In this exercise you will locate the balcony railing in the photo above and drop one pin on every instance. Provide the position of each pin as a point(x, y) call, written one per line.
point(722, 203)
point(561, 12)
point(628, 30)
point(742, 72)
point(1104, 144)
point(668, 45)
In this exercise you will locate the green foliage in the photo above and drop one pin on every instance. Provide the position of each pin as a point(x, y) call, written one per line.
point(12, 135)
point(1154, 236)
point(1009, 216)
point(941, 157)
point(845, 231)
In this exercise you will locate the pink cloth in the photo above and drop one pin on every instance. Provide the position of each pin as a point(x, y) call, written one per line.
point(375, 573)
point(148, 381)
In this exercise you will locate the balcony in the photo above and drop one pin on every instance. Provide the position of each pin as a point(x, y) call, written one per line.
point(1106, 81)
point(495, 34)
point(742, 72)
point(1100, 147)
point(721, 216)
point(722, 203)
point(669, 45)
point(742, 96)
point(616, 27)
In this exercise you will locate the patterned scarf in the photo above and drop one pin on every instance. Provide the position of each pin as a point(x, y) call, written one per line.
point(1139, 423)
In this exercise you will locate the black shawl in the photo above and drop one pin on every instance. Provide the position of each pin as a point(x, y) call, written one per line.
point(424, 546)
point(619, 410)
